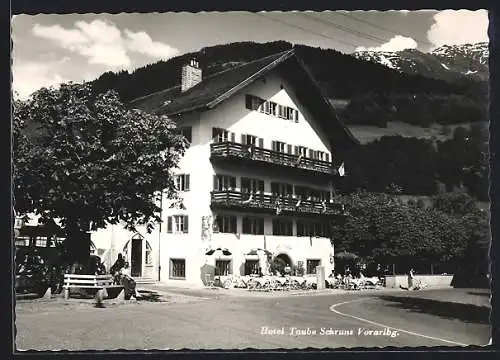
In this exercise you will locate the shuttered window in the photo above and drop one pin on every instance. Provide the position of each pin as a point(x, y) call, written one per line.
point(182, 182)
point(221, 135)
point(177, 224)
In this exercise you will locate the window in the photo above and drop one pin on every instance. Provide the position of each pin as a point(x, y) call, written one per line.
point(314, 229)
point(253, 102)
point(22, 241)
point(267, 107)
point(249, 139)
point(273, 107)
point(177, 224)
point(301, 150)
point(222, 135)
point(282, 189)
point(224, 182)
point(223, 267)
point(253, 225)
point(186, 131)
point(225, 224)
point(324, 196)
point(279, 146)
point(292, 114)
point(177, 269)
point(282, 227)
point(315, 195)
point(282, 111)
point(41, 241)
point(319, 155)
point(253, 186)
point(302, 192)
point(251, 267)
point(182, 182)
point(311, 265)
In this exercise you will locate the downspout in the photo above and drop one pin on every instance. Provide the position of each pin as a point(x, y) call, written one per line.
point(159, 236)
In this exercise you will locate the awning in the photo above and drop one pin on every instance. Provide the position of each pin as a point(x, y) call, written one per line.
point(251, 257)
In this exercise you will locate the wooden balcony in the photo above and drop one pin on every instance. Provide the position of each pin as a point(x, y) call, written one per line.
point(235, 200)
point(235, 151)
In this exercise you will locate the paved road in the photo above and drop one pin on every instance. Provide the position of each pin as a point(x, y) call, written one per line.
point(229, 322)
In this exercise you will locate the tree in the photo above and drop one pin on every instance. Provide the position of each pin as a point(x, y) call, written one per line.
point(88, 161)
point(382, 229)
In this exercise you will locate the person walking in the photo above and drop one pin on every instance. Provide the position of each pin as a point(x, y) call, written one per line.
point(411, 277)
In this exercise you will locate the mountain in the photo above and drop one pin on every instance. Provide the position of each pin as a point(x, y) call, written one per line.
point(455, 63)
point(340, 75)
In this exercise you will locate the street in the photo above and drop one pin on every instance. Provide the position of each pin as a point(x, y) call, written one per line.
point(452, 317)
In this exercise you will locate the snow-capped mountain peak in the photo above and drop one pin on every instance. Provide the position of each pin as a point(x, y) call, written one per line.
point(447, 62)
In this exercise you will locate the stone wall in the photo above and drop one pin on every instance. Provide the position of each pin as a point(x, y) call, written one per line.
point(434, 281)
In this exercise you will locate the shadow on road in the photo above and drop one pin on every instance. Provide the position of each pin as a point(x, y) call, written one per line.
point(151, 296)
point(464, 312)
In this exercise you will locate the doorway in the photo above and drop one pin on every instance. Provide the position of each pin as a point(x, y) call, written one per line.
point(136, 257)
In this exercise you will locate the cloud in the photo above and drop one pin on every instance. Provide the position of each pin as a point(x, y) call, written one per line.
point(28, 77)
point(102, 43)
point(397, 43)
point(142, 43)
point(457, 27)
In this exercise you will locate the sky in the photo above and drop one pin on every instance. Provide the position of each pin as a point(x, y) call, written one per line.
point(51, 49)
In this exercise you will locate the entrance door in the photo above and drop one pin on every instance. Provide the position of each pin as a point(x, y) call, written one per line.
point(136, 257)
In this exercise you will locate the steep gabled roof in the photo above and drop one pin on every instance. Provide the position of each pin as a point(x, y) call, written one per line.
point(215, 89)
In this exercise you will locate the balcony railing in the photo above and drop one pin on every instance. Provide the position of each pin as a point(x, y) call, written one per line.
point(271, 203)
point(233, 150)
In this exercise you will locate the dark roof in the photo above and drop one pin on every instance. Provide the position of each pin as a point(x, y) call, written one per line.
point(218, 87)
point(172, 101)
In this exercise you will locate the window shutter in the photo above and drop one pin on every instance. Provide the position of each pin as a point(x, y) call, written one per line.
point(311, 153)
point(273, 145)
point(186, 182)
point(186, 223)
point(261, 186)
point(261, 142)
point(169, 224)
point(327, 157)
point(248, 101)
point(232, 137)
point(233, 183)
point(296, 150)
point(289, 148)
point(243, 139)
point(215, 132)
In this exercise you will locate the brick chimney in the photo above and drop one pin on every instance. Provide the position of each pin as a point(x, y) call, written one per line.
point(191, 75)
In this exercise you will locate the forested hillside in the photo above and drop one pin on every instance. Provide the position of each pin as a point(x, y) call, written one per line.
point(375, 95)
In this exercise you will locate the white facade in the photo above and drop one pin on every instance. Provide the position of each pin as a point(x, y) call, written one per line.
point(162, 247)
